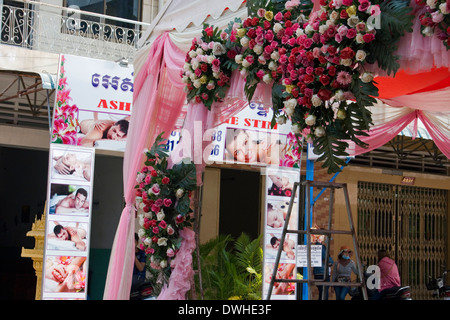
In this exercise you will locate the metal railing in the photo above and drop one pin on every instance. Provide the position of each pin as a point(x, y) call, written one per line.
point(50, 28)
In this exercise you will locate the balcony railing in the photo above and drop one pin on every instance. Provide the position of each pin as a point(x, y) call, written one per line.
point(49, 28)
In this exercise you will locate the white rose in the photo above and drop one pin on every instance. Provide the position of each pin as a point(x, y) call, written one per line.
point(267, 78)
point(443, 8)
point(353, 21)
point(197, 84)
point(431, 3)
point(179, 193)
point(192, 54)
point(275, 55)
point(346, 62)
point(299, 32)
point(366, 77)
point(163, 264)
point(319, 132)
point(323, 28)
point(141, 233)
point(218, 49)
point(160, 215)
point(258, 49)
point(272, 66)
point(316, 101)
point(310, 120)
point(277, 27)
point(289, 106)
point(244, 42)
point(360, 55)
point(359, 38)
point(238, 58)
point(199, 51)
point(245, 63)
point(339, 95)
point(141, 221)
point(148, 241)
point(162, 242)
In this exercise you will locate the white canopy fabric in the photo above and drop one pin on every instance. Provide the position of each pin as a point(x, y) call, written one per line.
point(184, 20)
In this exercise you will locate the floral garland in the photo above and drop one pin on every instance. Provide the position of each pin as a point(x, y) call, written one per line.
point(315, 65)
point(163, 204)
point(436, 19)
point(206, 80)
point(65, 124)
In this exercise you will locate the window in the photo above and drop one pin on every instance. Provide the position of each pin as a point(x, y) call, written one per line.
point(126, 9)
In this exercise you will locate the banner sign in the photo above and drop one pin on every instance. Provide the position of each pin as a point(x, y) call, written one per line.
point(93, 103)
point(279, 188)
point(68, 219)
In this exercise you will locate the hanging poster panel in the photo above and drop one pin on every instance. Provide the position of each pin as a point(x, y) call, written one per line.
point(247, 138)
point(93, 103)
point(279, 188)
point(68, 220)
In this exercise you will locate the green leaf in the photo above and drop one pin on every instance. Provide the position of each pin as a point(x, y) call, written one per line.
point(330, 149)
point(183, 175)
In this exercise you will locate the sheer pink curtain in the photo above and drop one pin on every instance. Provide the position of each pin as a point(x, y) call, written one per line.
point(389, 121)
point(158, 100)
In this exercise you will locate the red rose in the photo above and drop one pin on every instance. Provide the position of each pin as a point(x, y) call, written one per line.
point(347, 53)
point(165, 180)
point(154, 173)
point(368, 37)
point(209, 31)
point(324, 79)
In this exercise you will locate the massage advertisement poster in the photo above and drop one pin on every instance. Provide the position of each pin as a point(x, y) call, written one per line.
point(278, 192)
point(68, 219)
point(93, 103)
point(248, 138)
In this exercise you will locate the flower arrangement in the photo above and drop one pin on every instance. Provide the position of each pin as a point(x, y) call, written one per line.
point(65, 124)
point(206, 79)
point(436, 19)
point(315, 64)
point(163, 204)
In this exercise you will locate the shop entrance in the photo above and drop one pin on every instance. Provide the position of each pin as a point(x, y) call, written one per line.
point(240, 197)
point(410, 222)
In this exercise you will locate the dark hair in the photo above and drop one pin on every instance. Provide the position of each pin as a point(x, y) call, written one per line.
point(58, 228)
point(273, 241)
point(123, 125)
point(382, 253)
point(136, 237)
point(81, 191)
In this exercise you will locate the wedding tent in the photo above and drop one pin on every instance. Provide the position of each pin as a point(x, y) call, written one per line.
point(419, 90)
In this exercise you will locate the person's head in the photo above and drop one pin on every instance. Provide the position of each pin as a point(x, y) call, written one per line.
point(61, 233)
point(274, 242)
point(80, 198)
point(344, 253)
point(240, 146)
point(70, 160)
point(118, 131)
point(275, 218)
point(383, 253)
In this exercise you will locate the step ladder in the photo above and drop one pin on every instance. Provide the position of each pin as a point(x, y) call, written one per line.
point(328, 232)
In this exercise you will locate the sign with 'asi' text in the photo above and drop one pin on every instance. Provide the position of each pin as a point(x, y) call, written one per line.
point(93, 103)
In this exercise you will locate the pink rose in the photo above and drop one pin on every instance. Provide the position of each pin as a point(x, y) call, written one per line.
point(163, 224)
point(155, 189)
point(170, 253)
point(167, 202)
point(347, 2)
point(155, 230)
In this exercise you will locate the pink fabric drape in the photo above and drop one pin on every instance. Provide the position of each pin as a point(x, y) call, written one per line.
point(181, 275)
point(390, 121)
point(158, 100)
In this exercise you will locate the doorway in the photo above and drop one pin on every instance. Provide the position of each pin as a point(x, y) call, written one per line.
point(240, 198)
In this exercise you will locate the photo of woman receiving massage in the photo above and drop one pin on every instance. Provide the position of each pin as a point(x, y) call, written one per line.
point(254, 147)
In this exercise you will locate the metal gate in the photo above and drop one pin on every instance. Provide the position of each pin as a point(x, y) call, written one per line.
point(410, 222)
